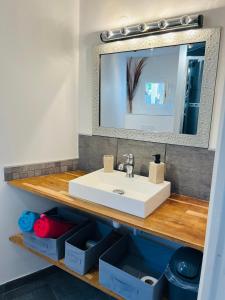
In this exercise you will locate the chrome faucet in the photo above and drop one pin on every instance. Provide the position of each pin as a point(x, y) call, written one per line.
point(128, 166)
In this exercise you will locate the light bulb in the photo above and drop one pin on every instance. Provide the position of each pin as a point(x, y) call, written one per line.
point(109, 34)
point(162, 24)
point(185, 20)
point(124, 31)
point(142, 27)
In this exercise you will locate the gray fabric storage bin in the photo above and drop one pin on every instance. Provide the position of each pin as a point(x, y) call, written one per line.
point(81, 259)
point(127, 261)
point(55, 248)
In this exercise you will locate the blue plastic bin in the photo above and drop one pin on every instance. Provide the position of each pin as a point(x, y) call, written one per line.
point(55, 248)
point(80, 258)
point(183, 274)
point(122, 267)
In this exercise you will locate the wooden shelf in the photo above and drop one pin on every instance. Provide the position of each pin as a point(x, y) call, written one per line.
point(91, 277)
point(181, 219)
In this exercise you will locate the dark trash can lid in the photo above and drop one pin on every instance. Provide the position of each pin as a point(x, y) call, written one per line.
point(185, 265)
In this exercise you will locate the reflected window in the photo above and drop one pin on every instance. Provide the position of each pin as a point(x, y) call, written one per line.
point(155, 93)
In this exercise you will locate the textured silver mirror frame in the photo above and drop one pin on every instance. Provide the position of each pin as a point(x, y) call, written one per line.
point(212, 38)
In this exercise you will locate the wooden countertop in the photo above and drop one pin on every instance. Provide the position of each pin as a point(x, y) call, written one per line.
point(181, 219)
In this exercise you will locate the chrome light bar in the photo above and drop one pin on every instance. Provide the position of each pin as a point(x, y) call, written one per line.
point(157, 27)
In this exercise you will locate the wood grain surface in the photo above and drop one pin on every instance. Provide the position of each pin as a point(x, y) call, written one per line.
point(180, 218)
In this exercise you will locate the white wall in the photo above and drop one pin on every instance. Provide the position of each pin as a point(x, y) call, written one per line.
point(38, 105)
point(99, 15)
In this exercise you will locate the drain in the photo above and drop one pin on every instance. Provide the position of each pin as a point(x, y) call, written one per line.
point(118, 191)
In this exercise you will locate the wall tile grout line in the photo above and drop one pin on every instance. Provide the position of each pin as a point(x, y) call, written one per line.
point(165, 153)
point(116, 158)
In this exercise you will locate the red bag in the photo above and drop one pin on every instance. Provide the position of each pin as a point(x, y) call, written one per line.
point(47, 227)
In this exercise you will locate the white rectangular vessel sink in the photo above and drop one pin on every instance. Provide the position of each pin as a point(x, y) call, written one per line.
point(136, 196)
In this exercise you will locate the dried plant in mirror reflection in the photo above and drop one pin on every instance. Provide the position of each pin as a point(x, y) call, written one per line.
point(134, 70)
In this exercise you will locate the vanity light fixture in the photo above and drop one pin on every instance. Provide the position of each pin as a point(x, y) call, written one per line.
point(161, 26)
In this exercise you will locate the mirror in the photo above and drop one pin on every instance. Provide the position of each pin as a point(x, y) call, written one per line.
point(155, 89)
point(158, 88)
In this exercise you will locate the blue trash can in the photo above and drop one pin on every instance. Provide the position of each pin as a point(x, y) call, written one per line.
point(183, 274)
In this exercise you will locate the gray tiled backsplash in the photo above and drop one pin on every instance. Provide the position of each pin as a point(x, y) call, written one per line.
point(188, 168)
point(39, 169)
point(92, 149)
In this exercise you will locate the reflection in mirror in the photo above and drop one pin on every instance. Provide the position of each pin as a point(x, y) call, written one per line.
point(157, 90)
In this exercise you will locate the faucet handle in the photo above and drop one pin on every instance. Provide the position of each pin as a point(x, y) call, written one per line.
point(130, 157)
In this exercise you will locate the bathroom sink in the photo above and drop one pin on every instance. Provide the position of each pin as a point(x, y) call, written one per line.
point(136, 196)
